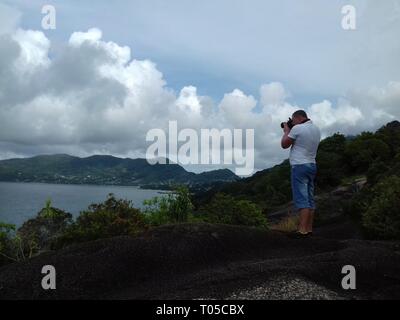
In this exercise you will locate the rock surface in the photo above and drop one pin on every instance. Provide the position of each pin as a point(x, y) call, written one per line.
point(195, 261)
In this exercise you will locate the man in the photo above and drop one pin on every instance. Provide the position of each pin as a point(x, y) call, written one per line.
point(304, 139)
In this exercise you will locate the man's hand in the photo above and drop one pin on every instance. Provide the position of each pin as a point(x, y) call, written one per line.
point(286, 128)
point(286, 142)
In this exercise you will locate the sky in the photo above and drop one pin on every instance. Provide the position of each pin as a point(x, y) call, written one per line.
point(110, 72)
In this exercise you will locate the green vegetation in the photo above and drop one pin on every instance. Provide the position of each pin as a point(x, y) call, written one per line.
point(13, 247)
point(226, 209)
point(46, 228)
point(53, 228)
point(377, 209)
point(34, 236)
point(332, 162)
point(377, 206)
point(6, 245)
point(268, 189)
point(173, 208)
point(382, 218)
point(113, 217)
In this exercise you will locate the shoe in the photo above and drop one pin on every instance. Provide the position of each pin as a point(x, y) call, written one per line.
point(298, 235)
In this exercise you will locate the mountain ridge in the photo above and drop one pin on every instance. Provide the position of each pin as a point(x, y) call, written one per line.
point(105, 170)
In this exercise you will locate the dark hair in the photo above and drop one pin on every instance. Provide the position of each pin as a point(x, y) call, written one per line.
point(300, 113)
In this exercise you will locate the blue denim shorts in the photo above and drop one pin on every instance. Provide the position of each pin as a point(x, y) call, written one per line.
point(302, 179)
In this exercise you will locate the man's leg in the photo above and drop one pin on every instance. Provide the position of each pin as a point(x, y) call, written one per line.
point(300, 195)
point(311, 200)
point(310, 221)
point(304, 220)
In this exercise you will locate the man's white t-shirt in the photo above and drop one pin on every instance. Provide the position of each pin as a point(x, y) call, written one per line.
point(304, 149)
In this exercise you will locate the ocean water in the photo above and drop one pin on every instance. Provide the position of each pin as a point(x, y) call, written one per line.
point(22, 201)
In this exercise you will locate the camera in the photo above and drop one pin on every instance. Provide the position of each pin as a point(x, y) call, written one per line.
point(289, 123)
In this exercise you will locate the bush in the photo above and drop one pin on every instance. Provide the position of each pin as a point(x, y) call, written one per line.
point(376, 171)
point(39, 233)
point(364, 150)
point(6, 252)
point(357, 205)
point(12, 247)
point(108, 219)
point(331, 164)
point(226, 209)
point(390, 134)
point(330, 172)
point(382, 217)
point(176, 207)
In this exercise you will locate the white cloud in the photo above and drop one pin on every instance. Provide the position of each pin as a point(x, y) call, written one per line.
point(34, 50)
point(188, 101)
point(340, 117)
point(236, 109)
point(93, 36)
point(273, 94)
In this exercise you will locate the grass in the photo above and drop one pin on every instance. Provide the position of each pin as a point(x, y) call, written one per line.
point(288, 224)
point(352, 179)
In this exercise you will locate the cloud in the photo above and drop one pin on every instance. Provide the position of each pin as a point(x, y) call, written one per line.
point(94, 97)
point(188, 101)
point(339, 118)
point(273, 94)
point(9, 19)
point(237, 108)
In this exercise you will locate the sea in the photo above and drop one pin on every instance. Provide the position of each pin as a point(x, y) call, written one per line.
point(20, 201)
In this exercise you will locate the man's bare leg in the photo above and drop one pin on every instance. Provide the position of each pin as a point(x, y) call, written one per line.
point(310, 220)
point(304, 218)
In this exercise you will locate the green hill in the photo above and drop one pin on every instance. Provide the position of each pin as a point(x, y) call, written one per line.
point(105, 170)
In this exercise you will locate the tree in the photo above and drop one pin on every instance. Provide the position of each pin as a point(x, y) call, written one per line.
point(224, 208)
point(364, 150)
point(39, 233)
point(6, 254)
point(382, 217)
point(113, 217)
point(390, 134)
point(12, 247)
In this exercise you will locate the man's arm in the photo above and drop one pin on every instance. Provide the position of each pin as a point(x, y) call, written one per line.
point(286, 141)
